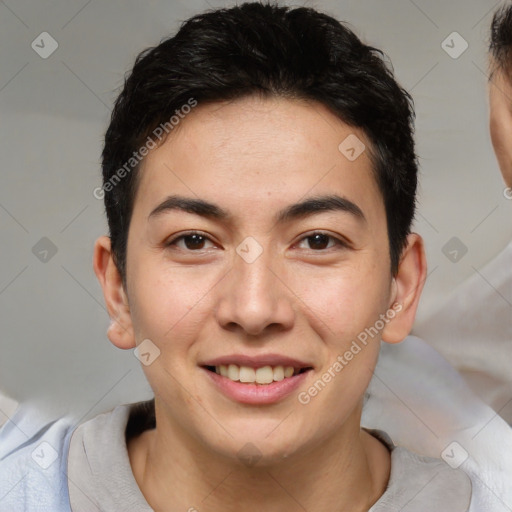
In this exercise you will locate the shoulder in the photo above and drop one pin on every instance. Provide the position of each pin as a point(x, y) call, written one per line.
point(96, 447)
point(418, 483)
point(33, 455)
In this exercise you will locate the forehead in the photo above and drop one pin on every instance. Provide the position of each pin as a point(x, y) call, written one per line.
point(268, 152)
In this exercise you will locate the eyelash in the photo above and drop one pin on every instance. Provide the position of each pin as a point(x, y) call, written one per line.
point(340, 243)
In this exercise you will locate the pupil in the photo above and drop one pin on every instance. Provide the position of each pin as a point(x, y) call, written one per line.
point(318, 241)
point(194, 241)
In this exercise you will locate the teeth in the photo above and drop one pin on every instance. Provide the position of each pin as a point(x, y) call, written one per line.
point(263, 375)
point(278, 373)
point(247, 374)
point(233, 372)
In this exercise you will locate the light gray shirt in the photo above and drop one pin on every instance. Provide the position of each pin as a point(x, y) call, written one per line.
point(100, 477)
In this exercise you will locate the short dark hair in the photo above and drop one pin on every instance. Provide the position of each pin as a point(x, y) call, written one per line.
point(270, 50)
point(500, 45)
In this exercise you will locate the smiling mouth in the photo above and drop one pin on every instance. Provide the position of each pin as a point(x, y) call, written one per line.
point(262, 375)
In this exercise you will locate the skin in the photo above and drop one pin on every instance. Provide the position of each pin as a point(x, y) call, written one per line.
point(254, 157)
point(500, 122)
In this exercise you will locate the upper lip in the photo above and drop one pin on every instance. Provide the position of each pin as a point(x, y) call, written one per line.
point(256, 361)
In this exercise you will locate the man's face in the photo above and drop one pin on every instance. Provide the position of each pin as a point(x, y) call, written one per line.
point(500, 101)
point(251, 284)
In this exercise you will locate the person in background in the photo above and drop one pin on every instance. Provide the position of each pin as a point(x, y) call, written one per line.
point(500, 93)
point(473, 325)
point(474, 328)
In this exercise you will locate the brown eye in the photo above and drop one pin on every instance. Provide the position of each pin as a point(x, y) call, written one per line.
point(321, 241)
point(194, 241)
point(318, 241)
point(190, 242)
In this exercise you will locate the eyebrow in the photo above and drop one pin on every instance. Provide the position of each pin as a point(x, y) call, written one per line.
point(306, 208)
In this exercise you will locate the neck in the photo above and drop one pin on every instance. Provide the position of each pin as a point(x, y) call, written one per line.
point(347, 472)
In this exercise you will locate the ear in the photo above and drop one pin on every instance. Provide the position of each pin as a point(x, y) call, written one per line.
point(120, 332)
point(406, 290)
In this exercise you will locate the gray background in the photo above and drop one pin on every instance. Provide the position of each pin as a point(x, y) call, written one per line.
point(53, 345)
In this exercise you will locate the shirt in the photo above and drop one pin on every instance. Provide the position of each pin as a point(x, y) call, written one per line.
point(90, 470)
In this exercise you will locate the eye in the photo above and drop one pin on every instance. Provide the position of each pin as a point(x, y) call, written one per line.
point(194, 241)
point(319, 241)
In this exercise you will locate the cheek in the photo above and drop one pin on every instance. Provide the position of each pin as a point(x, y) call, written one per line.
point(343, 302)
point(170, 310)
point(346, 307)
point(166, 305)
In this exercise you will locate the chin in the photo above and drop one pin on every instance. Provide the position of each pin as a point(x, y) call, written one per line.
point(256, 448)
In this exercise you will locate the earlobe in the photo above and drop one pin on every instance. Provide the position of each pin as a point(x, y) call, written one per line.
point(406, 290)
point(120, 331)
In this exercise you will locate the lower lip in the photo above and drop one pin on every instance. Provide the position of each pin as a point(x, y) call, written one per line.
point(257, 394)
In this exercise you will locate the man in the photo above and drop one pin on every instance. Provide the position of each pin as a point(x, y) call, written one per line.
point(259, 178)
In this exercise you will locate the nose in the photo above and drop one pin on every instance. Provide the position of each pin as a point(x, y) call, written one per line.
point(254, 298)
